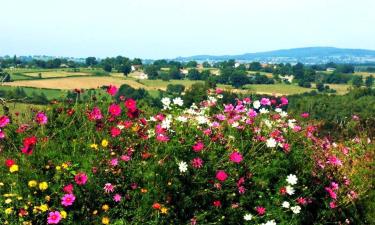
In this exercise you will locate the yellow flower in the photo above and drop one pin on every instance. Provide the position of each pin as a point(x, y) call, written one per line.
point(8, 200)
point(43, 207)
point(13, 168)
point(95, 212)
point(47, 198)
point(94, 146)
point(104, 143)
point(144, 190)
point(27, 223)
point(64, 165)
point(32, 183)
point(105, 220)
point(58, 168)
point(164, 210)
point(43, 186)
point(105, 207)
point(63, 214)
point(9, 210)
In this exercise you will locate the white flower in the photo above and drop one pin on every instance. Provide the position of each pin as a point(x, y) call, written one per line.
point(166, 123)
point(219, 96)
point(202, 120)
point(256, 104)
point(296, 209)
point(182, 119)
point(289, 190)
point(285, 204)
point(278, 110)
point(270, 222)
point(283, 114)
point(292, 179)
point(271, 143)
point(178, 101)
point(119, 126)
point(247, 217)
point(235, 124)
point(182, 166)
point(268, 123)
point(263, 111)
point(166, 102)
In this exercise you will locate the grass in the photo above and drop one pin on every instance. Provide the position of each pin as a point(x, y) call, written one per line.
point(56, 74)
point(160, 84)
point(277, 89)
point(22, 108)
point(50, 93)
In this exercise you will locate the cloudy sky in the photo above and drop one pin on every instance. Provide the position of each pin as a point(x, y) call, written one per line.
point(171, 28)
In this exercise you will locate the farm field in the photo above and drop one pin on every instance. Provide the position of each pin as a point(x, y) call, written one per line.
point(277, 89)
point(50, 93)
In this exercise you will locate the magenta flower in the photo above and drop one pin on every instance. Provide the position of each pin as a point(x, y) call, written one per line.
point(284, 101)
point(95, 114)
point(197, 163)
point(108, 187)
point(68, 188)
point(117, 198)
point(2, 134)
point(114, 110)
point(260, 210)
point(265, 101)
point(68, 199)
point(115, 131)
point(41, 118)
point(54, 217)
point(81, 178)
point(221, 175)
point(198, 147)
point(112, 90)
point(4, 120)
point(114, 162)
point(236, 157)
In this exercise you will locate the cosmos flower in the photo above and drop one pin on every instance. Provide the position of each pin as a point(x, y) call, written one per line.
point(68, 200)
point(54, 217)
point(292, 179)
point(182, 166)
point(236, 157)
point(221, 175)
point(80, 178)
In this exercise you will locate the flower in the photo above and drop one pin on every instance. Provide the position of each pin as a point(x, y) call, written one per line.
point(285, 204)
point(9, 162)
point(68, 188)
point(296, 209)
point(114, 110)
point(332, 205)
point(54, 217)
point(4, 120)
point(198, 147)
point(182, 166)
point(13, 168)
point(166, 102)
point(112, 90)
point(32, 183)
point(95, 114)
point(197, 163)
point(105, 207)
point(256, 104)
point(156, 206)
point(105, 220)
point(41, 118)
point(80, 178)
point(236, 157)
point(271, 143)
point(265, 101)
point(43, 186)
point(260, 210)
point(117, 198)
point(178, 101)
point(104, 143)
point(68, 199)
point(289, 190)
point(221, 175)
point(131, 104)
point(269, 222)
point(292, 179)
point(164, 210)
point(63, 214)
point(247, 217)
point(108, 187)
point(9, 210)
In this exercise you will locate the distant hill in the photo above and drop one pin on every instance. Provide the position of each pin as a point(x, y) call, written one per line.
point(310, 55)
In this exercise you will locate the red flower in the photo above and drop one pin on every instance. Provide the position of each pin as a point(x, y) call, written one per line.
point(115, 131)
point(221, 175)
point(282, 191)
point(217, 203)
point(9, 162)
point(68, 188)
point(156, 206)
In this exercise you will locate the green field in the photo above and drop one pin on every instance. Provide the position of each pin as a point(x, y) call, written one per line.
point(50, 93)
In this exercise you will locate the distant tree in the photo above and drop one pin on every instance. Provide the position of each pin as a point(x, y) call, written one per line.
point(195, 94)
point(239, 78)
point(370, 69)
point(206, 65)
point(320, 87)
point(192, 64)
point(205, 74)
point(194, 74)
point(4, 76)
point(255, 66)
point(175, 88)
point(298, 71)
point(129, 92)
point(126, 68)
point(91, 61)
point(175, 74)
point(107, 68)
point(152, 72)
point(369, 81)
point(357, 81)
point(137, 61)
point(165, 76)
point(345, 68)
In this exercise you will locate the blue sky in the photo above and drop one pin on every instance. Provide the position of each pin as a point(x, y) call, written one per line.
point(171, 28)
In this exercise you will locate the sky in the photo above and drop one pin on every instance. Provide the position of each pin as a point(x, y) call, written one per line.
point(152, 29)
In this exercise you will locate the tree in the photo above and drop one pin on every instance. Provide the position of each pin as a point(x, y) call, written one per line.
point(345, 68)
point(357, 81)
point(152, 72)
point(137, 61)
point(205, 74)
point(91, 61)
point(195, 94)
point(206, 65)
point(165, 76)
point(107, 68)
point(320, 87)
point(174, 73)
point(255, 66)
point(239, 78)
point(298, 71)
point(192, 64)
point(175, 88)
point(369, 81)
point(194, 74)
point(126, 68)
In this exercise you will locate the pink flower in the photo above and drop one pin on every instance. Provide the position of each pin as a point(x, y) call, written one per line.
point(332, 205)
point(265, 101)
point(131, 105)
point(95, 114)
point(221, 175)
point(4, 120)
point(54, 217)
point(2, 134)
point(236, 157)
point(198, 147)
point(114, 162)
point(114, 110)
point(301, 201)
point(80, 178)
point(112, 90)
point(115, 131)
point(117, 198)
point(197, 163)
point(284, 101)
point(68, 199)
point(241, 190)
point(334, 161)
point(305, 115)
point(108, 187)
point(260, 210)
point(41, 118)
point(68, 188)
point(331, 193)
point(162, 138)
point(125, 158)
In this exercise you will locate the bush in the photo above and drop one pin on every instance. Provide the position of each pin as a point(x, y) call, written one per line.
point(110, 161)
